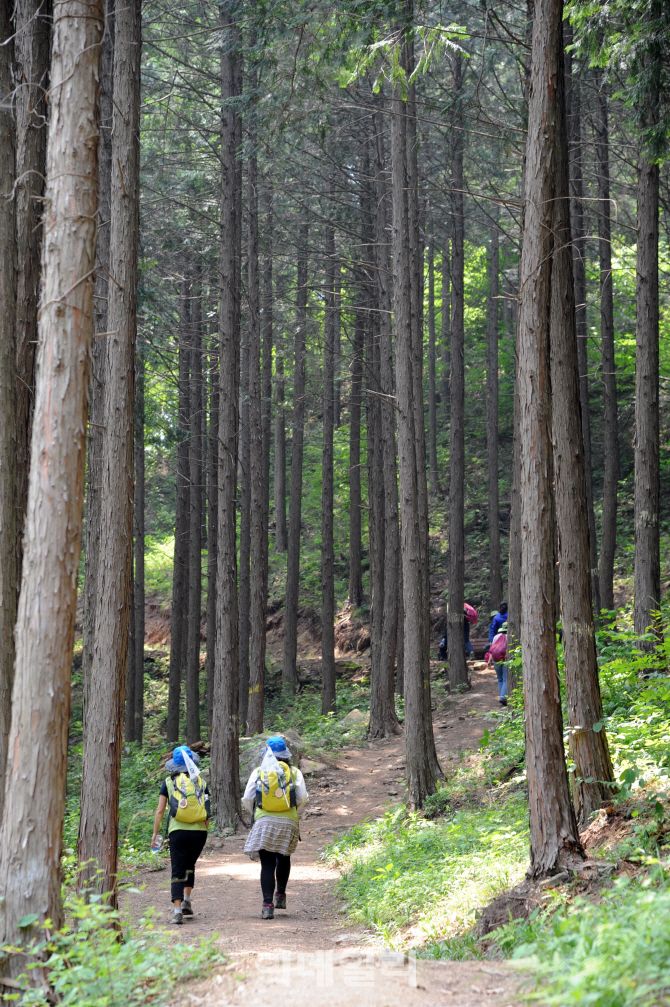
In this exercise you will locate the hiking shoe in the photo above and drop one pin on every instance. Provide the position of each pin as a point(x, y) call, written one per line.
point(177, 917)
point(503, 701)
point(280, 901)
point(267, 912)
point(186, 907)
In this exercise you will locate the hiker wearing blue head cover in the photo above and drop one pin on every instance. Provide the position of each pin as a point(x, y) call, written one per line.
point(274, 795)
point(187, 826)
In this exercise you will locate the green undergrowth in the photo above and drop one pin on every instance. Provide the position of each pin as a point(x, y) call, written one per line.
point(303, 713)
point(416, 881)
point(611, 953)
point(98, 960)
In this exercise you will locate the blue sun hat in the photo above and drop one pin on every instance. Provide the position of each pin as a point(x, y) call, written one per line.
point(177, 763)
point(278, 747)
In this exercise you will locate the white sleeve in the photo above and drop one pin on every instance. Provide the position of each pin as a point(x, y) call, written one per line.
point(301, 794)
point(250, 792)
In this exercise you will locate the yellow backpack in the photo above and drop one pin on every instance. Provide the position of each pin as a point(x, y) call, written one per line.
point(276, 791)
point(187, 799)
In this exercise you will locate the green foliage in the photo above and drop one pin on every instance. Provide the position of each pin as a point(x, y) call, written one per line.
point(96, 960)
point(303, 713)
point(402, 871)
point(615, 953)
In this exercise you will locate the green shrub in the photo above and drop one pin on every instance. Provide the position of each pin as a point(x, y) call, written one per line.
point(615, 953)
point(90, 963)
point(417, 881)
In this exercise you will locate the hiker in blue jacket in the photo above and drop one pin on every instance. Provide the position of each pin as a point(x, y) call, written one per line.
point(499, 618)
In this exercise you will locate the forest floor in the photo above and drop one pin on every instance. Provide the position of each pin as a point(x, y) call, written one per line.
point(309, 947)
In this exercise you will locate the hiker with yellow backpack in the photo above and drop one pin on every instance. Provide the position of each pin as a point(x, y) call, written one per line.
point(274, 795)
point(188, 820)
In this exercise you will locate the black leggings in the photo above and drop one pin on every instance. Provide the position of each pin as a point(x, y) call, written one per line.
point(272, 863)
point(186, 845)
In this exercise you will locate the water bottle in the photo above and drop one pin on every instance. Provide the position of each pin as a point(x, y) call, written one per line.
point(156, 845)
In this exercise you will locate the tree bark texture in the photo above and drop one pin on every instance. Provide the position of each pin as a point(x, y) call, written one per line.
point(327, 463)
point(647, 540)
point(179, 610)
point(32, 824)
point(445, 342)
point(495, 576)
point(355, 544)
point(101, 756)
point(383, 719)
point(416, 271)
point(266, 407)
point(514, 558)
point(98, 355)
point(244, 573)
point(281, 531)
point(458, 672)
point(225, 718)
point(32, 24)
point(259, 527)
point(9, 510)
point(432, 391)
point(195, 520)
point(610, 417)
point(289, 670)
point(212, 523)
point(553, 827)
point(574, 132)
point(588, 748)
point(138, 532)
point(420, 780)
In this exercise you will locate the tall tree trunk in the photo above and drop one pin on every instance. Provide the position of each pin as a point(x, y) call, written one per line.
point(9, 513)
point(212, 523)
point(281, 533)
point(458, 672)
point(225, 719)
point(647, 541)
point(574, 133)
point(445, 342)
point(514, 560)
point(327, 478)
point(34, 808)
point(138, 521)
point(553, 827)
point(289, 670)
point(258, 523)
point(495, 577)
point(420, 779)
point(99, 355)
point(383, 719)
point(101, 755)
point(355, 545)
point(610, 419)
point(195, 521)
point(32, 25)
point(432, 392)
point(337, 418)
point(416, 271)
point(266, 380)
point(588, 748)
point(244, 575)
point(178, 621)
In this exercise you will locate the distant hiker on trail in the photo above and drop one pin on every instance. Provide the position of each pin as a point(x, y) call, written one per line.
point(496, 657)
point(499, 617)
point(469, 618)
point(188, 821)
point(274, 795)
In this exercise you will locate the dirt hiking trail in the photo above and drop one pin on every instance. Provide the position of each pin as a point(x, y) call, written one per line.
point(309, 954)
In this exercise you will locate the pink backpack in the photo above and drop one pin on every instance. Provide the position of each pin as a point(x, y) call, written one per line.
point(470, 614)
point(498, 651)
